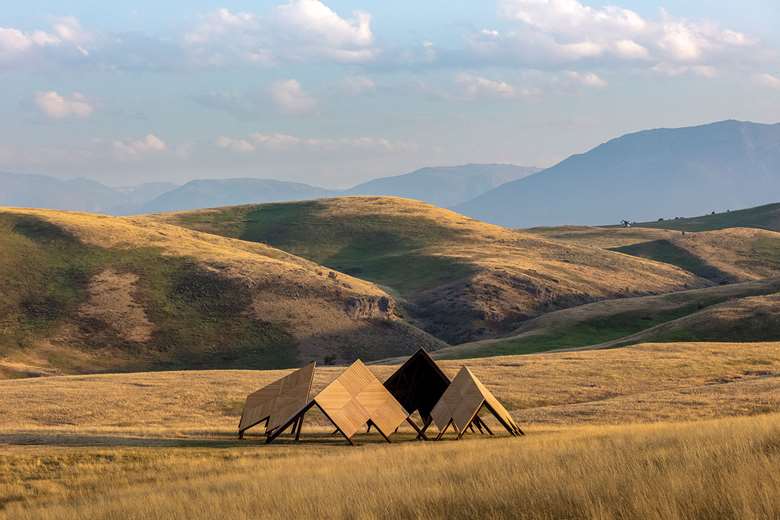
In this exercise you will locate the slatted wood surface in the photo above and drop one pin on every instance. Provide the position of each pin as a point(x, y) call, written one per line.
point(463, 399)
point(357, 396)
point(280, 401)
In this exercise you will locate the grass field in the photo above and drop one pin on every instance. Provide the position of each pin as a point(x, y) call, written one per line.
point(609, 436)
point(725, 468)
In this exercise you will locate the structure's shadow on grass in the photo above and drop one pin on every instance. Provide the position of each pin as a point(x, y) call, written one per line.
point(195, 440)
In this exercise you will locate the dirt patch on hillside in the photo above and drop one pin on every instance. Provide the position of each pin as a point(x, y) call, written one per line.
point(111, 302)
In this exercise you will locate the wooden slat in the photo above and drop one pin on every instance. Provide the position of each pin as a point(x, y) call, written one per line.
point(462, 401)
point(356, 397)
point(280, 401)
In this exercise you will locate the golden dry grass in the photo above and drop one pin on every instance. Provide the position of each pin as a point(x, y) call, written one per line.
point(602, 443)
point(724, 468)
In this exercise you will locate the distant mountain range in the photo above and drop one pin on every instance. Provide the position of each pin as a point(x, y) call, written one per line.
point(645, 176)
point(442, 186)
point(445, 186)
point(209, 193)
point(41, 191)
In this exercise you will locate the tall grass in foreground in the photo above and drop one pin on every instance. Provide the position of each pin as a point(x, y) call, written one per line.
point(722, 469)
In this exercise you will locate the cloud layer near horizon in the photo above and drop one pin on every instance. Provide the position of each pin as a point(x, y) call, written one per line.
point(302, 75)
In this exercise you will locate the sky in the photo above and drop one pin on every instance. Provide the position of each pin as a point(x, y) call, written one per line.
point(338, 92)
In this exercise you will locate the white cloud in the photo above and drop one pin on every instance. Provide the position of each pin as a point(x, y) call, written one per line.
point(629, 49)
point(65, 33)
point(299, 30)
point(135, 149)
point(57, 106)
point(565, 31)
point(588, 79)
point(768, 80)
point(290, 97)
point(357, 85)
point(477, 86)
point(277, 142)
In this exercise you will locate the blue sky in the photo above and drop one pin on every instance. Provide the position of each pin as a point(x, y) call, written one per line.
point(336, 92)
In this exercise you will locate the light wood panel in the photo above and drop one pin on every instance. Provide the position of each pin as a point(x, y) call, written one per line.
point(357, 397)
point(463, 400)
point(278, 402)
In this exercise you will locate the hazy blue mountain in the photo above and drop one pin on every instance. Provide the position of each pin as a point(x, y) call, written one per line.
point(210, 193)
point(42, 191)
point(645, 176)
point(445, 186)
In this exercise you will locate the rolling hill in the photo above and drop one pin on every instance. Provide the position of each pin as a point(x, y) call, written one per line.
point(90, 293)
point(721, 256)
point(644, 176)
point(459, 279)
point(762, 217)
point(444, 186)
point(700, 314)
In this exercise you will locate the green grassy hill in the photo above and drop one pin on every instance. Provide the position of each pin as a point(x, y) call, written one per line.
point(697, 315)
point(87, 293)
point(458, 278)
point(762, 217)
point(721, 256)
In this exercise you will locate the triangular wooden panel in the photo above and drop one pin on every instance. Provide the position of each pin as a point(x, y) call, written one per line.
point(279, 401)
point(463, 400)
point(356, 397)
point(418, 384)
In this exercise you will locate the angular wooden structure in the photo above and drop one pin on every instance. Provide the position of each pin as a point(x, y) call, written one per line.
point(418, 385)
point(278, 402)
point(355, 398)
point(461, 403)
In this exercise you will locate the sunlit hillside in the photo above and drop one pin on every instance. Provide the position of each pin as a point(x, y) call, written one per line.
point(461, 279)
point(87, 293)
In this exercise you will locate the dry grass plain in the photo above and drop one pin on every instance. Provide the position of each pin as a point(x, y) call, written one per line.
point(686, 430)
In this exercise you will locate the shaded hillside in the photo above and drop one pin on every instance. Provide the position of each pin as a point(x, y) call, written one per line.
point(644, 176)
point(762, 217)
point(87, 293)
point(461, 279)
point(209, 193)
point(444, 186)
point(622, 321)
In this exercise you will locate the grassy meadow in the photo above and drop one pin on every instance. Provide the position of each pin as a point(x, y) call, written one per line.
point(685, 430)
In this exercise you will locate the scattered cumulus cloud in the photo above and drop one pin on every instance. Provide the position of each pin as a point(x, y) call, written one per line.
point(290, 97)
point(768, 80)
point(284, 142)
point(56, 106)
point(66, 33)
point(559, 32)
point(357, 85)
point(474, 86)
point(587, 79)
point(136, 149)
point(299, 30)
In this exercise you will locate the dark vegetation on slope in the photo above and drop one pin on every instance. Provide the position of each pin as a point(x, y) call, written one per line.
point(199, 317)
